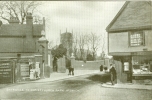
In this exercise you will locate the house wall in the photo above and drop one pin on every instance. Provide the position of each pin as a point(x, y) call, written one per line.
point(119, 42)
point(19, 38)
point(18, 44)
point(11, 44)
point(29, 43)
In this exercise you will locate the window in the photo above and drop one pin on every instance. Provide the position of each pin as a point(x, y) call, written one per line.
point(136, 38)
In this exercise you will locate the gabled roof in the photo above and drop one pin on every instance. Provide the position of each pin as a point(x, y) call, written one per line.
point(133, 15)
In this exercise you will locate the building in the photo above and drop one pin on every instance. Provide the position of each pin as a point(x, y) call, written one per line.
point(67, 40)
point(130, 41)
point(19, 38)
point(24, 42)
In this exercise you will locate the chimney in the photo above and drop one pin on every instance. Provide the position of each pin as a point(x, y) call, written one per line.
point(13, 20)
point(29, 18)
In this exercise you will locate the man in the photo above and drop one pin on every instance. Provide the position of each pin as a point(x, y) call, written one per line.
point(112, 74)
point(70, 67)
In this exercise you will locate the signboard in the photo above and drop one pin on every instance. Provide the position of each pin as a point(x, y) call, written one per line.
point(126, 66)
point(5, 72)
point(25, 71)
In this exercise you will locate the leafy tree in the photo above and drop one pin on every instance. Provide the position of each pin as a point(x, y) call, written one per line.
point(59, 52)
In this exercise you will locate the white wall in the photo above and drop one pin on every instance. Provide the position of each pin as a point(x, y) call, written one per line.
point(118, 42)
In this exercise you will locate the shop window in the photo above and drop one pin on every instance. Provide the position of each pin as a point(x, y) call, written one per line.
point(136, 38)
point(142, 65)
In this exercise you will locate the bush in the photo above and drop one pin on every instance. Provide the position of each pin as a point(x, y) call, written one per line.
point(105, 68)
point(90, 57)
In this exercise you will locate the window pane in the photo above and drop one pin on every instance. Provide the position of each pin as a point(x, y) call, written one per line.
point(136, 38)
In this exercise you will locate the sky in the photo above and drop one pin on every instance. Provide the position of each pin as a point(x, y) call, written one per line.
point(82, 17)
point(77, 16)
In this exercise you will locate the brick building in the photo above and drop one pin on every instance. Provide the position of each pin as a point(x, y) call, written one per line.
point(24, 41)
point(19, 38)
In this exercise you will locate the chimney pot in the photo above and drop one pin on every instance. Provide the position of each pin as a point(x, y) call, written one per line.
point(29, 18)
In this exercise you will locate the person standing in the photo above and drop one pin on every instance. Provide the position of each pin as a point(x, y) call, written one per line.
point(70, 67)
point(112, 74)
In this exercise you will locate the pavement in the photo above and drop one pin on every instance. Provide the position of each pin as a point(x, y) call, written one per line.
point(55, 76)
point(128, 86)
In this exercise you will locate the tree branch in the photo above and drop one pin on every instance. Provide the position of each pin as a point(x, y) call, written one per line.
point(4, 17)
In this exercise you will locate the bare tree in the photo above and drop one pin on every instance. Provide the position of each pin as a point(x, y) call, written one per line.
point(87, 43)
point(103, 41)
point(81, 44)
point(75, 44)
point(18, 9)
point(94, 41)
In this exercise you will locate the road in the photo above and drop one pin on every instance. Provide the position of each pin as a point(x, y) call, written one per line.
point(86, 87)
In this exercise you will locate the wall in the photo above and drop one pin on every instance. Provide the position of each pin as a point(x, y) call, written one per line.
point(118, 42)
point(11, 44)
point(12, 54)
point(19, 38)
point(89, 65)
point(29, 43)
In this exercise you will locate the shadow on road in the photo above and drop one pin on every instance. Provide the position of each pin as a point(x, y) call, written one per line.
point(100, 78)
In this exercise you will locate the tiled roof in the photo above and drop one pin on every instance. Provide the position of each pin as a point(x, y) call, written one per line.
point(19, 29)
point(133, 15)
